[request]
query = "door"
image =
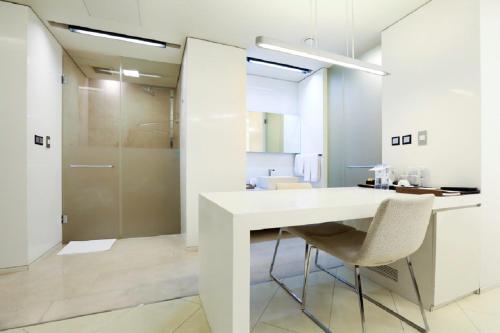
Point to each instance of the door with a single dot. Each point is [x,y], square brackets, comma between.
[91,110]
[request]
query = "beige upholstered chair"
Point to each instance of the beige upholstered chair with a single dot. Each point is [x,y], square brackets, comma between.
[323,229]
[396,232]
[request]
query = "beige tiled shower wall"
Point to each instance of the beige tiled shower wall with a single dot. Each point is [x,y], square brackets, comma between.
[126,125]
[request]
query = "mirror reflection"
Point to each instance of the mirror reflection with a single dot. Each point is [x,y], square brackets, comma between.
[273,133]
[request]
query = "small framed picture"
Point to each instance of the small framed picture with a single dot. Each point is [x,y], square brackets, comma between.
[407,139]
[395,141]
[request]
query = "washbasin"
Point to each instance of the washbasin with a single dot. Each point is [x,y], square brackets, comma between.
[269,182]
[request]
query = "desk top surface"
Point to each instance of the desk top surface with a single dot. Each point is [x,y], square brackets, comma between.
[352,198]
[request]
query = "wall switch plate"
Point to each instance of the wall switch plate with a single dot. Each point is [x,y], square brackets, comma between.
[395,141]
[422,138]
[38,140]
[47,141]
[406,139]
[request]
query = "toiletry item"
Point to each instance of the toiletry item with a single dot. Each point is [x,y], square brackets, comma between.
[382,176]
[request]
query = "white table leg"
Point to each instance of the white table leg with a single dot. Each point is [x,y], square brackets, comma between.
[224,269]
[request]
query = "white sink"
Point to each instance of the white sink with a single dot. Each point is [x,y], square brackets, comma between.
[269,182]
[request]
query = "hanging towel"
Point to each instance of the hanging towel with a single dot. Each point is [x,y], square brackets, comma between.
[299,165]
[315,168]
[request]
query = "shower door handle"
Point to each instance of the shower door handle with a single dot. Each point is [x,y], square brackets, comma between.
[96,166]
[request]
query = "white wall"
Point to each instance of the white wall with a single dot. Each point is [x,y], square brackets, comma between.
[313,117]
[213,114]
[30,199]
[44,107]
[490,140]
[272,95]
[433,58]
[13,227]
[354,122]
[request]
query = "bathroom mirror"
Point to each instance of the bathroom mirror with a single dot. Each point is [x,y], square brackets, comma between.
[273,132]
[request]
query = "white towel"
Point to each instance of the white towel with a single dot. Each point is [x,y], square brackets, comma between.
[299,165]
[315,167]
[309,166]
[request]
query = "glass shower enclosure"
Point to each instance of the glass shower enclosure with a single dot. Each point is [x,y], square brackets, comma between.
[120,149]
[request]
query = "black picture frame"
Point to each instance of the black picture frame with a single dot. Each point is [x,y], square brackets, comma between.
[395,141]
[407,139]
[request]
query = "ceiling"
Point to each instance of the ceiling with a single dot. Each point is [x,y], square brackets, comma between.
[234,22]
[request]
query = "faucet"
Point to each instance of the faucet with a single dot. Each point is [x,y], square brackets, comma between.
[270,172]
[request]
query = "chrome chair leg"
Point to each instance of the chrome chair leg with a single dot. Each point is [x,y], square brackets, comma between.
[307,267]
[375,302]
[419,298]
[307,270]
[275,279]
[357,279]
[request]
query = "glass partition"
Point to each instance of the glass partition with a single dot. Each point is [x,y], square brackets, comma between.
[120,150]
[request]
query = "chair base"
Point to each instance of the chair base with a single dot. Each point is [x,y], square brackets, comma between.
[280,283]
[373,301]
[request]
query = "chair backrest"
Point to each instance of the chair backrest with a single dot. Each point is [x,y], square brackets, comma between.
[293,186]
[397,230]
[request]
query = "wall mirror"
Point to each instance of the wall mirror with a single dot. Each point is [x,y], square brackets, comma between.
[273,132]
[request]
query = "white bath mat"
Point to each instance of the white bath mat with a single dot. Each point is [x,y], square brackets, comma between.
[79,247]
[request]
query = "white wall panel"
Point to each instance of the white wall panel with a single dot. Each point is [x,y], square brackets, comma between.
[490,141]
[213,118]
[44,111]
[30,199]
[13,210]
[433,58]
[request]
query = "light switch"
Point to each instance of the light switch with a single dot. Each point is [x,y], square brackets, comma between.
[422,138]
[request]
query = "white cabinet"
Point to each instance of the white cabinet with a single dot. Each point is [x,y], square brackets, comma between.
[447,266]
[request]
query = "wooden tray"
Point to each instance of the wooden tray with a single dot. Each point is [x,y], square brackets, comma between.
[417,190]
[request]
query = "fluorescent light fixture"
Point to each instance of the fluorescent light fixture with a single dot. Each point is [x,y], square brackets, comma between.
[319,55]
[156,76]
[131,72]
[278,65]
[118,36]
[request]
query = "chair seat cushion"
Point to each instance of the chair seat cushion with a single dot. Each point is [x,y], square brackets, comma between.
[345,246]
[322,229]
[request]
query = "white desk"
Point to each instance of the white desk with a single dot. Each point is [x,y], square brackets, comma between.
[226,220]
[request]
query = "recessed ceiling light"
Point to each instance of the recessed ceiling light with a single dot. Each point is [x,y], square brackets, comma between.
[278,65]
[118,36]
[131,72]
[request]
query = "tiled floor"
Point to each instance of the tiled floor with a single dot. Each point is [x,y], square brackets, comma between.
[273,311]
[135,271]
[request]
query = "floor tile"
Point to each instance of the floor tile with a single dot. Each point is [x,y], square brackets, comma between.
[346,316]
[162,317]
[266,328]
[197,323]
[484,322]
[487,302]
[285,313]
[449,318]
[84,324]
[261,295]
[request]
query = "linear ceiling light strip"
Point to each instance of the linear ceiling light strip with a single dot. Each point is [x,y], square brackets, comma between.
[319,55]
[119,36]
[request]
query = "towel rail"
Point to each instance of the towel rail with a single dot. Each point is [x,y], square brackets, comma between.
[359,166]
[104,166]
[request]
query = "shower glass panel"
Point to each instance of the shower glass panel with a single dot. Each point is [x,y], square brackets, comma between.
[150,193]
[120,151]
[91,123]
